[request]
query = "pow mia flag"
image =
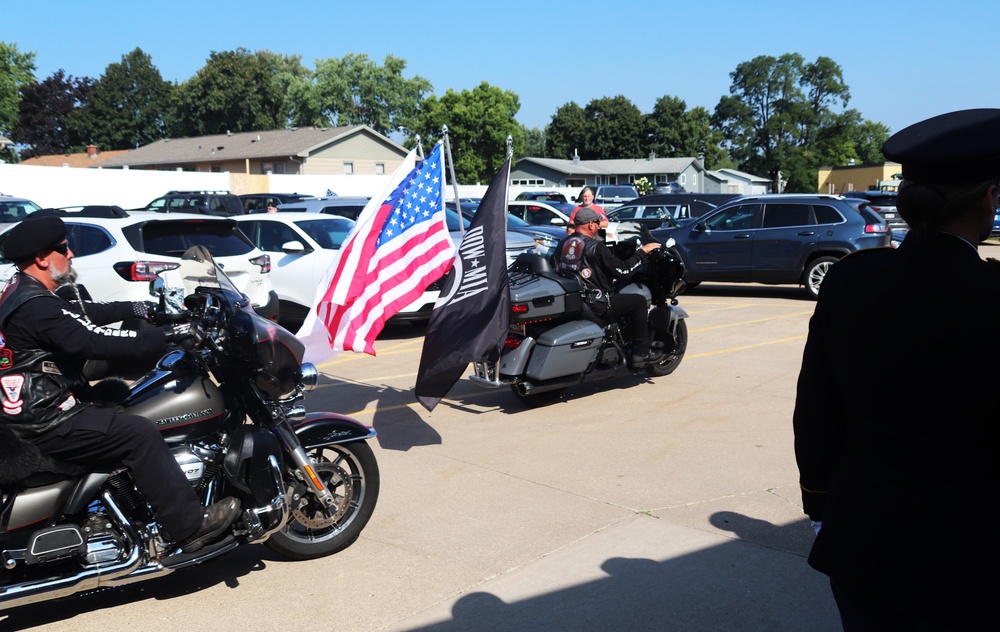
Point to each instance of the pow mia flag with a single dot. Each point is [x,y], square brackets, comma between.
[471,317]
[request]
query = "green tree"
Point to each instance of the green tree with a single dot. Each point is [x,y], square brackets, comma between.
[479,121]
[354,90]
[673,131]
[44,114]
[614,129]
[534,142]
[564,135]
[126,106]
[301,101]
[17,69]
[234,91]
[779,114]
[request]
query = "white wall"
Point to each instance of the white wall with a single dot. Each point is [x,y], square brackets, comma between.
[66,186]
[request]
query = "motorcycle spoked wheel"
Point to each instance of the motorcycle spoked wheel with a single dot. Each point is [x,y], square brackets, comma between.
[670,360]
[351,474]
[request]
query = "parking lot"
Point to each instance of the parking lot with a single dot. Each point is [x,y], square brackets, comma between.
[667,504]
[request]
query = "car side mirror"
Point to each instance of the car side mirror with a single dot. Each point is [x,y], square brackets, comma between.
[294,248]
[701,227]
[558,221]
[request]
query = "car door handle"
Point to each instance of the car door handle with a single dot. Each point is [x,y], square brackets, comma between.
[742,236]
[807,233]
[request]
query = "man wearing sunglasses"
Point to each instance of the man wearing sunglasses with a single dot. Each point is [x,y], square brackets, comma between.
[599,269]
[44,342]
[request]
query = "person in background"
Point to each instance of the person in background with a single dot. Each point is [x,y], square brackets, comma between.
[586,199]
[899,487]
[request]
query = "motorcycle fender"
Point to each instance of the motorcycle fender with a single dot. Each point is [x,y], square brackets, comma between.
[514,361]
[664,316]
[321,429]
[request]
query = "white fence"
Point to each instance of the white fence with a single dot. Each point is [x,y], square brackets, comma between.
[66,186]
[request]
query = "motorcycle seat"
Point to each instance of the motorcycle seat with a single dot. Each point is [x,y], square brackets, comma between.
[21,462]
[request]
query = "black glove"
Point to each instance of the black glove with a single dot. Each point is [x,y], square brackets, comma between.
[187,335]
[145,310]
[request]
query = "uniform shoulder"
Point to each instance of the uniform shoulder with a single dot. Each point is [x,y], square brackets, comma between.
[868,252]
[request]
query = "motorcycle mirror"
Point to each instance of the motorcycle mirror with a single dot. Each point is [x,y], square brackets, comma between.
[157,286]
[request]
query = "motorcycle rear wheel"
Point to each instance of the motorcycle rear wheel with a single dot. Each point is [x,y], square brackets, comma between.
[670,360]
[350,472]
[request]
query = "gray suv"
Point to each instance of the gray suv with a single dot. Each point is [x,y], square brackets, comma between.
[779,239]
[349,207]
[218,203]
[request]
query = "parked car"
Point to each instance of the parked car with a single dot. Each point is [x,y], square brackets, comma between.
[610,196]
[668,187]
[883,203]
[517,242]
[546,238]
[258,202]
[649,215]
[218,203]
[116,256]
[349,207]
[685,206]
[14,209]
[779,239]
[554,199]
[538,213]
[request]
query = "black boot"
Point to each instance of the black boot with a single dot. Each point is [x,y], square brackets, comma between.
[218,517]
[650,357]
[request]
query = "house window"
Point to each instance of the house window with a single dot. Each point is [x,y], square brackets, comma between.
[683,178]
[570,182]
[380,168]
[528,183]
[272,167]
[216,169]
[694,179]
[660,179]
[348,168]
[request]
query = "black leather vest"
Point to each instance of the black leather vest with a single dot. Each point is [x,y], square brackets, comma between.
[36,395]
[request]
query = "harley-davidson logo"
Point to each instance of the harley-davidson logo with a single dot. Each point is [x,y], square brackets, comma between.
[184,417]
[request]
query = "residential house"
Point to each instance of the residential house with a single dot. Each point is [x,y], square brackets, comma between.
[553,172]
[735,181]
[82,160]
[349,150]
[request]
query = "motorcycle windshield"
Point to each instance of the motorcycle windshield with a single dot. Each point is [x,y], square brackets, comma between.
[197,268]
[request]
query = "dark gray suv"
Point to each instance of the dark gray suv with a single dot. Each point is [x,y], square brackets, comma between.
[779,239]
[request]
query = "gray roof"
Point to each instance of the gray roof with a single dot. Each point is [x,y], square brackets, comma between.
[300,142]
[5,141]
[741,174]
[625,166]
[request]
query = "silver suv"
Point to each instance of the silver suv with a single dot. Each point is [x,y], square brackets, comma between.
[349,207]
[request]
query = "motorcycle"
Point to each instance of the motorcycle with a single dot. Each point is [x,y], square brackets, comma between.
[555,340]
[230,410]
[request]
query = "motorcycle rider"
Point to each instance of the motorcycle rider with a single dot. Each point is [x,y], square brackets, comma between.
[592,261]
[44,342]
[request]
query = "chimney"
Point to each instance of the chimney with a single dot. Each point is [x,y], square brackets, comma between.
[576,158]
[652,156]
[91,150]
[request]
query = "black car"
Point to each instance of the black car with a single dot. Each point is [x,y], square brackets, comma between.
[219,203]
[258,202]
[883,203]
[778,239]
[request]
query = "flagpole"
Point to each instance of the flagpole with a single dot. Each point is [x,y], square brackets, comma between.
[454,181]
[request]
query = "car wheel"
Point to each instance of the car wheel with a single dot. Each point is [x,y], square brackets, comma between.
[816,272]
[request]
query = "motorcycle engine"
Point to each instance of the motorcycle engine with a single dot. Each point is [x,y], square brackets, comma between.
[196,461]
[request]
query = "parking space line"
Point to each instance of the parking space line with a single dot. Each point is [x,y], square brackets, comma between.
[749,322]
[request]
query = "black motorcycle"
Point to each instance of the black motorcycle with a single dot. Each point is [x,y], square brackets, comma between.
[231,412]
[555,339]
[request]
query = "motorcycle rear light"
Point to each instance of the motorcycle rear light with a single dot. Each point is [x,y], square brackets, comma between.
[142,270]
[519,308]
[877,228]
[512,342]
[264,261]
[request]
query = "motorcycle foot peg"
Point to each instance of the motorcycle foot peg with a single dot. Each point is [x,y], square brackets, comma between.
[254,527]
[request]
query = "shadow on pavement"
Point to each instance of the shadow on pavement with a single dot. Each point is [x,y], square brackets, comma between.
[739,585]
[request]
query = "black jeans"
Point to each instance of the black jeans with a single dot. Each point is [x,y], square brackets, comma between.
[101,437]
[634,307]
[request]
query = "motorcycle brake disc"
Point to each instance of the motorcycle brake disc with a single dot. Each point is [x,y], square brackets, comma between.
[310,514]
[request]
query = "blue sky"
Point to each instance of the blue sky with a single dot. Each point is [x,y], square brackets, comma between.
[903,61]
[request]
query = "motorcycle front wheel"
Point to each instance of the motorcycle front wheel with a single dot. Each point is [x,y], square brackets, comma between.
[351,474]
[670,360]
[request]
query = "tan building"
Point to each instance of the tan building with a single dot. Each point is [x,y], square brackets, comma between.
[867,177]
[351,150]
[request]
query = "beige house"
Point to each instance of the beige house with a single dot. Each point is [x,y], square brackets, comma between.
[355,149]
[867,177]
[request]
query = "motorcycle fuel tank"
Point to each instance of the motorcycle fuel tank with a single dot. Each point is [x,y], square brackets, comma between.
[183,404]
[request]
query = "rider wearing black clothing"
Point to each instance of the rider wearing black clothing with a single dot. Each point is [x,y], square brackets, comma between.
[593,262]
[44,342]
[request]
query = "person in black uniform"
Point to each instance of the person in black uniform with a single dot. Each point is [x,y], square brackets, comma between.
[895,417]
[44,342]
[594,263]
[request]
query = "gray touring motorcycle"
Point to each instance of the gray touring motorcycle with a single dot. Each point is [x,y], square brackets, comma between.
[231,413]
[556,341]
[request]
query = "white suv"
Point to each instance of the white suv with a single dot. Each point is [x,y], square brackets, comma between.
[116,254]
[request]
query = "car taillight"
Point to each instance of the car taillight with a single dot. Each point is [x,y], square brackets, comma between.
[877,228]
[264,261]
[143,270]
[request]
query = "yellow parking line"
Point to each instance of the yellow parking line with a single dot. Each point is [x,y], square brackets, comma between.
[750,322]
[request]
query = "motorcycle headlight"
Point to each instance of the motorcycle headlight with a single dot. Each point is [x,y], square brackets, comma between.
[308,376]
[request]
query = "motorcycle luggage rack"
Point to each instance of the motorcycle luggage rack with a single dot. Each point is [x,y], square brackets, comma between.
[488,375]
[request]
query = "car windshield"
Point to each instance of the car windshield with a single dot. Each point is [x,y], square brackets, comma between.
[16,211]
[173,238]
[452,219]
[328,232]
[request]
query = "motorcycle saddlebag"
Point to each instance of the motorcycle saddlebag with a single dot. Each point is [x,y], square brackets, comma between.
[548,296]
[566,349]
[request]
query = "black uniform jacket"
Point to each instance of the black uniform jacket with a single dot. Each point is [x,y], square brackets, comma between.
[44,342]
[896,419]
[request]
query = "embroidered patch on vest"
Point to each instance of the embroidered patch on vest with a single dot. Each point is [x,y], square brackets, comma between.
[12,385]
[6,359]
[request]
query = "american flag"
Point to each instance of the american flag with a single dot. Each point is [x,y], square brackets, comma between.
[396,249]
